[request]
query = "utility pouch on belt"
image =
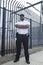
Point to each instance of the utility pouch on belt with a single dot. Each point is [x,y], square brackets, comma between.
[17,34]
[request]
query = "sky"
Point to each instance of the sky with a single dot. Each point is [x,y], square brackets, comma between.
[32,2]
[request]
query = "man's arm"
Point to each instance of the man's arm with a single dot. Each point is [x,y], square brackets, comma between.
[22,26]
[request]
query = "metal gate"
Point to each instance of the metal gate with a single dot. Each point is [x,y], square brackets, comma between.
[9,14]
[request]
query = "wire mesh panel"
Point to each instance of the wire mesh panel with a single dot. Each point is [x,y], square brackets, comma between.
[35,33]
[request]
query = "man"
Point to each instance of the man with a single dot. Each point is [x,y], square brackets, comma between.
[22,37]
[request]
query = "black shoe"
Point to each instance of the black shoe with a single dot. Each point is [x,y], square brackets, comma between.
[16,60]
[27,62]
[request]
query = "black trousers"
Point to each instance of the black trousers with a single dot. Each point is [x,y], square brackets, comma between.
[22,39]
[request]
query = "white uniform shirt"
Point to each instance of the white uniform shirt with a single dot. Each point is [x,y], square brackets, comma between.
[22,31]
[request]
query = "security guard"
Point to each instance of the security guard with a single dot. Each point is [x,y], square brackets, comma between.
[22,37]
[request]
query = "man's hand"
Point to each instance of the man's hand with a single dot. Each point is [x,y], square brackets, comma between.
[22,26]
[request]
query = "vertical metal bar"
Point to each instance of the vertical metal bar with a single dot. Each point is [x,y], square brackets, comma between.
[12,26]
[7,27]
[3,3]
[12,30]
[30,33]
[9,30]
[3,35]
[40,30]
[0,9]
[3,32]
[12,46]
[6,22]
[14,21]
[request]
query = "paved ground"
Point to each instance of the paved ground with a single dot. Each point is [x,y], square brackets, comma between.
[9,57]
[35,59]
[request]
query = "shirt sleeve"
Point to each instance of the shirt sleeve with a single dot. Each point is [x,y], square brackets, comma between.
[16,23]
[27,23]
[19,23]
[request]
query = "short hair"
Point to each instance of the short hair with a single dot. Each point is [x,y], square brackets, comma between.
[21,14]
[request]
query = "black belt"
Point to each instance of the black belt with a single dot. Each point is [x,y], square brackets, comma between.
[23,34]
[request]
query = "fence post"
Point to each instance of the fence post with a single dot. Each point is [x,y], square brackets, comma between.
[30,33]
[3,32]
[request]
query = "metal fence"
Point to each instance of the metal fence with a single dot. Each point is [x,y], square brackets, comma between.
[35,33]
[8,17]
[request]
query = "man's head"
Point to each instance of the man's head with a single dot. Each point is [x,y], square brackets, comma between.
[22,17]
